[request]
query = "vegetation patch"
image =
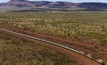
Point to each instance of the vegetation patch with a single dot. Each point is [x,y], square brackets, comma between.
[82,25]
[15,51]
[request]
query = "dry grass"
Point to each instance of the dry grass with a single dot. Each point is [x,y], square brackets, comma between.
[15,51]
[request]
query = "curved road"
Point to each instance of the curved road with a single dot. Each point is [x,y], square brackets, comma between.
[72,53]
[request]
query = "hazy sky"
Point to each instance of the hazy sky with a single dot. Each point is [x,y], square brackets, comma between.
[105,1]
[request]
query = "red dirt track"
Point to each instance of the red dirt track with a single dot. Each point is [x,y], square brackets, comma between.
[79,58]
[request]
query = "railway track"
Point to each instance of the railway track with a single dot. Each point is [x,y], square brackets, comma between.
[49,42]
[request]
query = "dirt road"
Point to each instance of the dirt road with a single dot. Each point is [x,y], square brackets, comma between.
[79,58]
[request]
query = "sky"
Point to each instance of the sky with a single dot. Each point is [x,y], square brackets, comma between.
[104,1]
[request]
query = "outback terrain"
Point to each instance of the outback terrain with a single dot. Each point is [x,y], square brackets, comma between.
[16,51]
[81,30]
[53,33]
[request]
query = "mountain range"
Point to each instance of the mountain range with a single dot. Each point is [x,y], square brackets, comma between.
[48,4]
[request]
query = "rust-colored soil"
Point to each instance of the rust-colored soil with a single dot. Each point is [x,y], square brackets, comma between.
[82,60]
[71,43]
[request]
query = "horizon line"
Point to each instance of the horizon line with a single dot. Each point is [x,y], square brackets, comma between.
[61,1]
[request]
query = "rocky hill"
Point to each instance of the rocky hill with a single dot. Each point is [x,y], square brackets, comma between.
[47,4]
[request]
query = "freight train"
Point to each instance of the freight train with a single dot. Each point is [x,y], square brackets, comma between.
[60,45]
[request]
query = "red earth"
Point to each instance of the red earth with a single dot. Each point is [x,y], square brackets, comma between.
[87,47]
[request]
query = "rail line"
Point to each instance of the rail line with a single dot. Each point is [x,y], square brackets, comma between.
[49,42]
